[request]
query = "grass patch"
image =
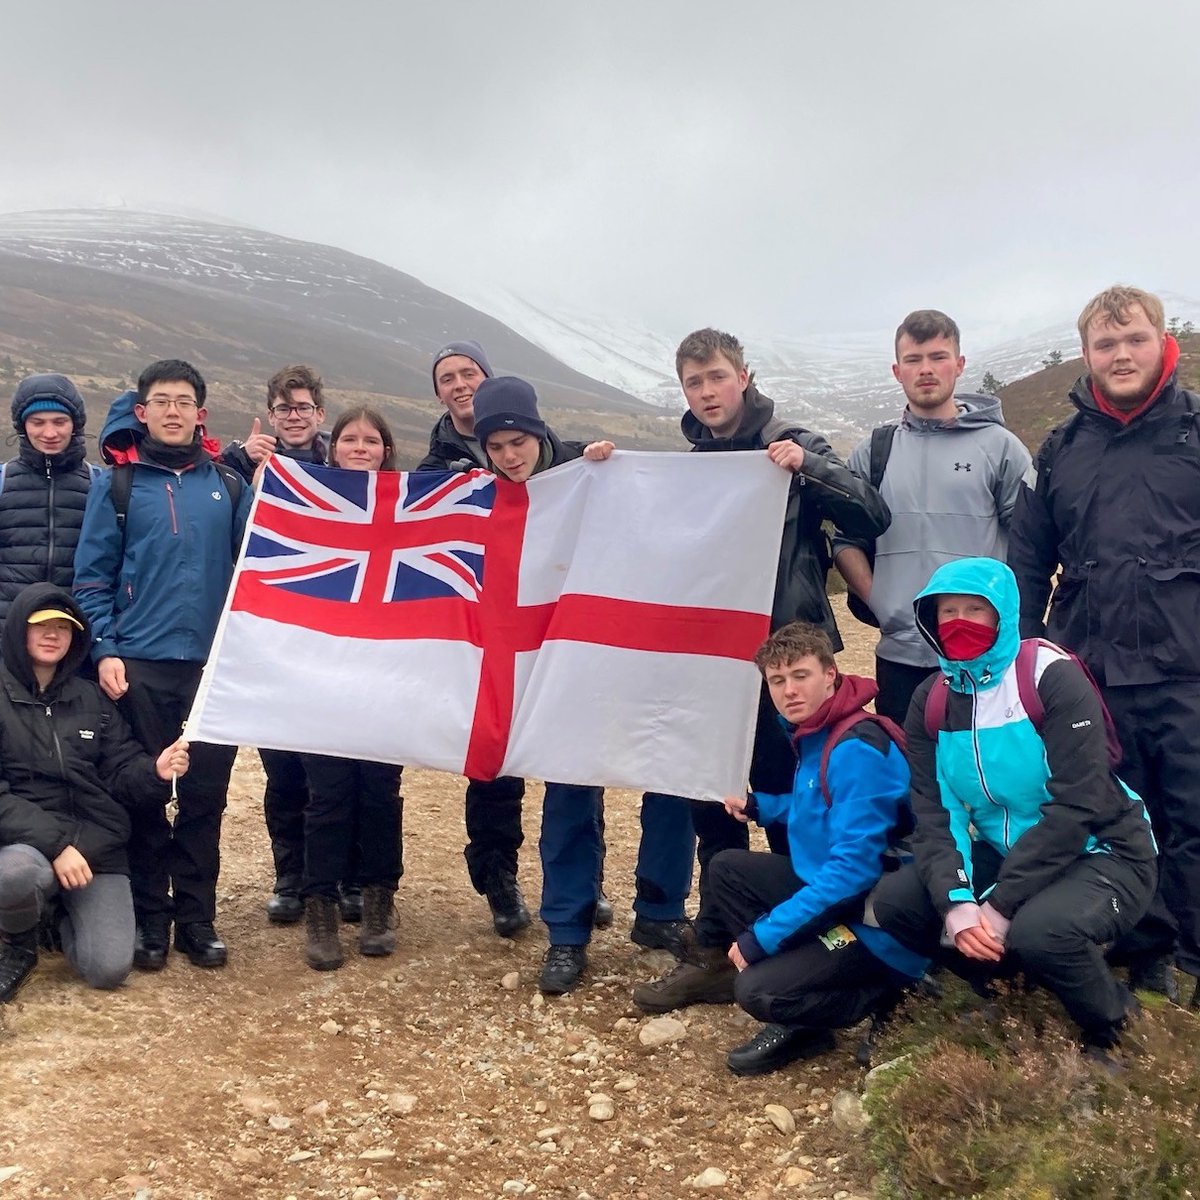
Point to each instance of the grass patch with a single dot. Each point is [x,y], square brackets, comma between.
[996,1102]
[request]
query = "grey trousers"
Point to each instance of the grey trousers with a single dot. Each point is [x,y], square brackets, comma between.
[98,928]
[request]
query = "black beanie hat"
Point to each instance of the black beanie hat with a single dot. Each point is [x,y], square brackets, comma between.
[471,350]
[507,403]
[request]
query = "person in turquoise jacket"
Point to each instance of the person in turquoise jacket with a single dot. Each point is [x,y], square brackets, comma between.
[795,949]
[1028,852]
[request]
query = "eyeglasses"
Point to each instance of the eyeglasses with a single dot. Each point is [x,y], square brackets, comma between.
[300,410]
[182,405]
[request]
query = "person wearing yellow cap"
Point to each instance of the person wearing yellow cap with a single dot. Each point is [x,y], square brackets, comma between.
[64,823]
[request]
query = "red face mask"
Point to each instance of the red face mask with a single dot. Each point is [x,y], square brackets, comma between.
[964,640]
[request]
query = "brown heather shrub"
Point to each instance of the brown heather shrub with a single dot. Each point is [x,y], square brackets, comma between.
[997,1103]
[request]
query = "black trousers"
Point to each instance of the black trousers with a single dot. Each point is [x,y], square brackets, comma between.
[494,835]
[897,682]
[1159,724]
[807,984]
[284,801]
[181,861]
[352,805]
[1057,937]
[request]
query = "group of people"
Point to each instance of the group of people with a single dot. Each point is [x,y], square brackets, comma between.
[1002,828]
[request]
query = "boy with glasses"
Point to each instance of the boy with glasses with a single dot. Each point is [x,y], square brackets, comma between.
[295,411]
[152,587]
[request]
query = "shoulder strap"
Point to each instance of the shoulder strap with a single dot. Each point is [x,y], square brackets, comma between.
[1035,710]
[1059,436]
[94,471]
[882,437]
[936,701]
[122,487]
[233,483]
[777,428]
[841,729]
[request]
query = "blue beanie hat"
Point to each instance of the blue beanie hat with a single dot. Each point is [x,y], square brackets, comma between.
[45,404]
[472,350]
[507,403]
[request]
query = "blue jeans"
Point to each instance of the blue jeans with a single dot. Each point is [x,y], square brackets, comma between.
[572,857]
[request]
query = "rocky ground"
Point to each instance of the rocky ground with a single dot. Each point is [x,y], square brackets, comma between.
[438,1072]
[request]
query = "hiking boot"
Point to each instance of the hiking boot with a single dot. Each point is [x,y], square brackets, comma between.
[602,917]
[18,957]
[774,1046]
[378,934]
[285,906]
[1157,976]
[151,943]
[676,937]
[199,941]
[562,969]
[509,913]
[707,982]
[323,950]
[350,902]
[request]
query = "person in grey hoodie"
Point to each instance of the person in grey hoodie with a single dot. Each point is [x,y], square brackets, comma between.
[952,477]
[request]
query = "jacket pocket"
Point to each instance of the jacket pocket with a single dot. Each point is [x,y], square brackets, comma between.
[1169,601]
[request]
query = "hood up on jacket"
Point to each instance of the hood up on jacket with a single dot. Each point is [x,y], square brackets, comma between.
[998,586]
[58,388]
[12,641]
[757,410]
[122,432]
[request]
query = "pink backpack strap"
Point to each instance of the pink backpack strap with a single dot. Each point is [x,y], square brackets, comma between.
[936,700]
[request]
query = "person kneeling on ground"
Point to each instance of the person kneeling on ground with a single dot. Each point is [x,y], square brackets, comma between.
[69,772]
[1029,852]
[794,951]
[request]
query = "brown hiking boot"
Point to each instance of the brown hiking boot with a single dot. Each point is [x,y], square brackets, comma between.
[323,951]
[708,979]
[378,934]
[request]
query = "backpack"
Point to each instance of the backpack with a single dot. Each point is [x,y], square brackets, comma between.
[938,698]
[839,730]
[122,489]
[882,437]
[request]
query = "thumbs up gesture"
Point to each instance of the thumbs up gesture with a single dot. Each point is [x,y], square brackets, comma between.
[259,446]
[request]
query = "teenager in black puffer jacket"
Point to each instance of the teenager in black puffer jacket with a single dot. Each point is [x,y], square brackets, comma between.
[45,487]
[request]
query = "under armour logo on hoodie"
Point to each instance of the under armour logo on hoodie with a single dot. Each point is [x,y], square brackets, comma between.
[962,466]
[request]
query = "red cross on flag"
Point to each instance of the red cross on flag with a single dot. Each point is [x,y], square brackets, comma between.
[596,625]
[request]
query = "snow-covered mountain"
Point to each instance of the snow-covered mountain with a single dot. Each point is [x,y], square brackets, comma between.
[840,384]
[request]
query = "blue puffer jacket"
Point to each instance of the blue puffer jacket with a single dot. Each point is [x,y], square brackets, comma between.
[156,593]
[1040,798]
[43,498]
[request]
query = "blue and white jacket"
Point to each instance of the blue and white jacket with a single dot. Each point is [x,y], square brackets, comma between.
[1039,798]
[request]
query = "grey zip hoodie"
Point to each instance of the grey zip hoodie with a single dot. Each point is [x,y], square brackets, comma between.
[951,487]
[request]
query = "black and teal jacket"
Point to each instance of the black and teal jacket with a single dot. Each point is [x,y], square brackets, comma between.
[1039,798]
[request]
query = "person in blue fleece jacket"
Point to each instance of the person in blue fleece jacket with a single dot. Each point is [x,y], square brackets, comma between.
[796,951]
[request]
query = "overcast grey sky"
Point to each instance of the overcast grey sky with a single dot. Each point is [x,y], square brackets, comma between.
[789,167]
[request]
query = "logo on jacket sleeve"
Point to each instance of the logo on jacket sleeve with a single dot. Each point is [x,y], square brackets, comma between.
[87,734]
[962,466]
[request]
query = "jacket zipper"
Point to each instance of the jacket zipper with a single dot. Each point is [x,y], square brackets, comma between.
[171,506]
[50,525]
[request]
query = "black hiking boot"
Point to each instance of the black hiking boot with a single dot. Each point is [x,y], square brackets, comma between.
[602,917]
[676,937]
[775,1046]
[509,912]
[151,943]
[562,969]
[18,957]
[350,902]
[1157,976]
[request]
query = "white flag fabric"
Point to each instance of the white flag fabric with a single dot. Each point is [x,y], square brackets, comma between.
[595,626]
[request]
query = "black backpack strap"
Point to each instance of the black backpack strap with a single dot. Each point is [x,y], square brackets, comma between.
[122,488]
[1058,437]
[882,437]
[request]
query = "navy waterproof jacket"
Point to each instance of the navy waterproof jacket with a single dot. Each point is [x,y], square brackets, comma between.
[157,591]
